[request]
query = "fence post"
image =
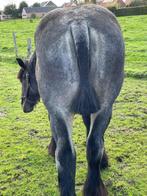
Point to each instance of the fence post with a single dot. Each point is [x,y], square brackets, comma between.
[29,46]
[15,44]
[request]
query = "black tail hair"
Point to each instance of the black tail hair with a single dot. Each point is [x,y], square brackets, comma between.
[86,101]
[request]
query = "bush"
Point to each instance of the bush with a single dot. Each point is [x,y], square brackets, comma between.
[112,9]
[33,16]
[129,11]
[31,20]
[138,3]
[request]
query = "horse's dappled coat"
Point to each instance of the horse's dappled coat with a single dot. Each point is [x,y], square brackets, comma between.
[79,69]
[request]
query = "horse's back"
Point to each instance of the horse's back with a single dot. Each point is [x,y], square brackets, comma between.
[58,71]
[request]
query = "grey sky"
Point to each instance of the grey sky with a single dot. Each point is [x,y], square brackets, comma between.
[30,2]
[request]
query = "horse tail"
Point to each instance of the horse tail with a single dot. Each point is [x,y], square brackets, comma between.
[85,101]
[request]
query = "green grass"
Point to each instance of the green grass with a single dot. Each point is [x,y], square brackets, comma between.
[26,168]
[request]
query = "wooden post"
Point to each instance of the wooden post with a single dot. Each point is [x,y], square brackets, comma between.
[29,47]
[15,44]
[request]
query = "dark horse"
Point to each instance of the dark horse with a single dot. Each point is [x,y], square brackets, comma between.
[77,68]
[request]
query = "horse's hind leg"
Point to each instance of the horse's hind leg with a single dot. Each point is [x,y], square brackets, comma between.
[104,161]
[86,120]
[95,148]
[52,147]
[65,154]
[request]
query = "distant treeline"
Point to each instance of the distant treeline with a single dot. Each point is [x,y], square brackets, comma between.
[12,11]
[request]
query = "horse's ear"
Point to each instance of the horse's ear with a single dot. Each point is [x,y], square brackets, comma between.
[21,63]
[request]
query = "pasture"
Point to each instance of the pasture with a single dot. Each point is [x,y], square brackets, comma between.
[26,168]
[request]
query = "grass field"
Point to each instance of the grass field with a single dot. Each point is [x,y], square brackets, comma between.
[26,168]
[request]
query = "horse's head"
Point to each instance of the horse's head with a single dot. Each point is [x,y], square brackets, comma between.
[30,95]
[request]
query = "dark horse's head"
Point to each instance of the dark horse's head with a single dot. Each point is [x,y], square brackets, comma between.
[26,75]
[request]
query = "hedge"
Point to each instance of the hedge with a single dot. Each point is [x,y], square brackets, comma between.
[129,11]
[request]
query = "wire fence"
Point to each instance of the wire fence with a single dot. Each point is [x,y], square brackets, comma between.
[29,45]
[15,44]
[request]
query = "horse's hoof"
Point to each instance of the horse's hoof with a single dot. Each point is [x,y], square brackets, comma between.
[104,162]
[99,190]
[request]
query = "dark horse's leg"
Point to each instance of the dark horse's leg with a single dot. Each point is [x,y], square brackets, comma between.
[95,148]
[86,120]
[65,154]
[52,147]
[104,161]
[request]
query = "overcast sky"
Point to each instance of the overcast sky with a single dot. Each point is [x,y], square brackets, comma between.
[30,2]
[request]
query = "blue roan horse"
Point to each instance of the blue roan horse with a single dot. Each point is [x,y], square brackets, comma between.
[77,67]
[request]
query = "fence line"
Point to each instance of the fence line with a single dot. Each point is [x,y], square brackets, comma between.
[29,47]
[15,44]
[19,43]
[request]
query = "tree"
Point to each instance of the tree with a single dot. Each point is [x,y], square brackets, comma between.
[21,6]
[33,16]
[11,10]
[74,1]
[36,5]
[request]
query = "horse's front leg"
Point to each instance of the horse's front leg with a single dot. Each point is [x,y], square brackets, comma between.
[95,149]
[65,156]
